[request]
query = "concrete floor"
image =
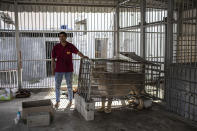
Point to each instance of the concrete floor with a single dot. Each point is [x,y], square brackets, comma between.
[155,119]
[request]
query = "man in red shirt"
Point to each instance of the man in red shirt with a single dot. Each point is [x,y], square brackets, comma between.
[62,65]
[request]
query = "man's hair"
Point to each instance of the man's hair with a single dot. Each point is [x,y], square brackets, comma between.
[64,33]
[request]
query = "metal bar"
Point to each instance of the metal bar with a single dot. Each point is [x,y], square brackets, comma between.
[157,23]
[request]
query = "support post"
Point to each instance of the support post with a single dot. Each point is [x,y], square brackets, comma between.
[116,28]
[169,46]
[142,34]
[142,28]
[169,52]
[18,47]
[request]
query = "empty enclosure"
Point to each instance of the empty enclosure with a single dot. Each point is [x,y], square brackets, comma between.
[162,32]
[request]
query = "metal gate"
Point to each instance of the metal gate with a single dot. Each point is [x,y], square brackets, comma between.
[181,59]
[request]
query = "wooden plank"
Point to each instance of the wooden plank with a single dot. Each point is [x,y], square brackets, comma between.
[38,119]
[137,58]
[37,106]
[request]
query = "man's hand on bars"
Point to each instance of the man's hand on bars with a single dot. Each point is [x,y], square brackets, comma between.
[82,56]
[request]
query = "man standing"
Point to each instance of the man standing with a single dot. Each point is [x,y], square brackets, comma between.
[62,65]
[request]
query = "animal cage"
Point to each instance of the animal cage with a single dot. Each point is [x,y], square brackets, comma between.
[114,78]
